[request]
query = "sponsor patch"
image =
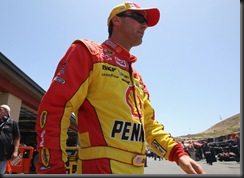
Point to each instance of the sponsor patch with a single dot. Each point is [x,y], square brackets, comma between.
[42,138]
[108,52]
[62,71]
[120,62]
[139,160]
[43,119]
[159,147]
[112,69]
[44,168]
[45,157]
[59,79]
[110,43]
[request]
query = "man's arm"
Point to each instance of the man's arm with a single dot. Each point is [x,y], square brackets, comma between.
[16,147]
[65,95]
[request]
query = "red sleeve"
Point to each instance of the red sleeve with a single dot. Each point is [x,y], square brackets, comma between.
[176,153]
[53,117]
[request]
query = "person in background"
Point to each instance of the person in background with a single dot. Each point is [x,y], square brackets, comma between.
[207,153]
[237,142]
[97,82]
[9,135]
[198,153]
[145,162]
[185,148]
[192,150]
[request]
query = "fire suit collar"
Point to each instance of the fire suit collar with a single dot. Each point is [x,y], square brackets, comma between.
[119,50]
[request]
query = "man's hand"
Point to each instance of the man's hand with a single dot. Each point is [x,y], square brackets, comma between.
[14,155]
[189,165]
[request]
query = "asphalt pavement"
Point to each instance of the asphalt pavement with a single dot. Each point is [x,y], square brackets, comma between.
[224,168]
[164,168]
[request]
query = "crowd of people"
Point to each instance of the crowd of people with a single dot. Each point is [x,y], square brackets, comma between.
[208,151]
[211,151]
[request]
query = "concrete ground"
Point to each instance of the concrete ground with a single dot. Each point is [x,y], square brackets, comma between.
[224,168]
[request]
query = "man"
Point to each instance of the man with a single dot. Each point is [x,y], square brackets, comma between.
[111,103]
[192,150]
[237,142]
[207,153]
[9,135]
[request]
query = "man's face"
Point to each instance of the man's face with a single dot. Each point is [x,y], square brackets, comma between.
[3,112]
[132,29]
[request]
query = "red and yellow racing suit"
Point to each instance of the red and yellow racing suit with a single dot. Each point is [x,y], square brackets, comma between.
[111,104]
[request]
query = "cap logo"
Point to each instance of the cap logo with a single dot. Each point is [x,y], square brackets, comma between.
[131,5]
[121,8]
[134,5]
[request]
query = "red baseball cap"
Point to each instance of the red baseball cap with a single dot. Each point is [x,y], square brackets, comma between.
[152,14]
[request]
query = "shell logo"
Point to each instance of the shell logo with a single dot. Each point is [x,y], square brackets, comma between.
[134,102]
[43,119]
[45,156]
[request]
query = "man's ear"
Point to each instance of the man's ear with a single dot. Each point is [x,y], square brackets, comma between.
[116,20]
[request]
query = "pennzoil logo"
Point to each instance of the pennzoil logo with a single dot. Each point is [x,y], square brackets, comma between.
[45,156]
[43,119]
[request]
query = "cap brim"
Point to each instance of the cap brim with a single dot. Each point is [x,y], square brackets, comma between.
[153,15]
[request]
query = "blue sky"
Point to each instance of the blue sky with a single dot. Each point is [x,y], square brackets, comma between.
[190,61]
